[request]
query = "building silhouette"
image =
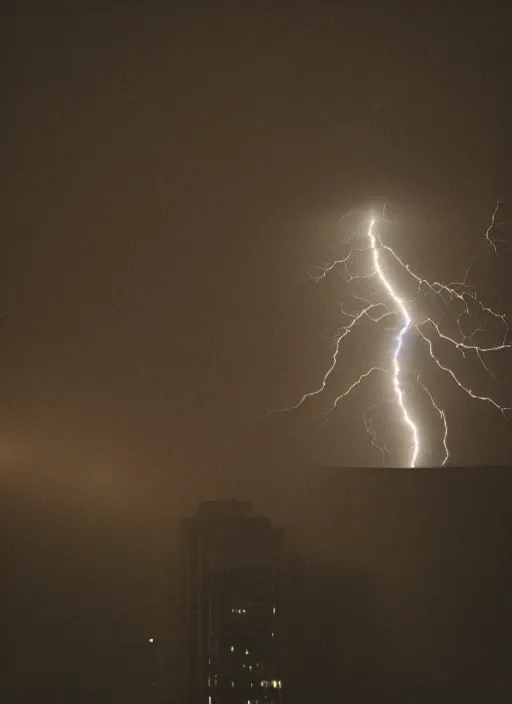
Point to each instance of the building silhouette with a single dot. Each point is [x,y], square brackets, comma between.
[232,606]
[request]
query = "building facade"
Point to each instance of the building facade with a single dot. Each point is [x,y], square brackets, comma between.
[233,606]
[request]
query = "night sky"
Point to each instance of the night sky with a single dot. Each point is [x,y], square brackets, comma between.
[173,173]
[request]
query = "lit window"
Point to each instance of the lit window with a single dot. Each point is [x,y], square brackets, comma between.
[246,652]
[274,610]
[232,648]
[271,684]
[209,700]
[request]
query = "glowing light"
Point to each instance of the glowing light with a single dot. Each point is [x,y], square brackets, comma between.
[425,330]
[271,684]
[406,325]
[151,640]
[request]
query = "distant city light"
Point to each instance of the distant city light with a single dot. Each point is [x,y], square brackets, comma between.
[151,640]
[271,684]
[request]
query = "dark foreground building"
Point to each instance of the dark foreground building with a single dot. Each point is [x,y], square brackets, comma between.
[403,590]
[233,608]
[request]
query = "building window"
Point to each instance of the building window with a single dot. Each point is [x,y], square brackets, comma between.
[271,684]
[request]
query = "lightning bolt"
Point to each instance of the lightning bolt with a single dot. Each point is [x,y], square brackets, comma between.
[404,329]
[427,330]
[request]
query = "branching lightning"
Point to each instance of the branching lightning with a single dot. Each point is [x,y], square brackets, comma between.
[406,325]
[409,328]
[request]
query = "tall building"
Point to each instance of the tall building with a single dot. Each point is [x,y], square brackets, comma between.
[233,605]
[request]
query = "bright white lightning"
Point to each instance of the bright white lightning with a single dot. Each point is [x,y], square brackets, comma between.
[406,325]
[425,328]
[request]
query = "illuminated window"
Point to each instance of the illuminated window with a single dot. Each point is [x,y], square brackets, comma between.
[274,610]
[271,684]
[232,648]
[246,652]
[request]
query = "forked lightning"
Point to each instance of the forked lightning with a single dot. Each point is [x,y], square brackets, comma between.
[386,301]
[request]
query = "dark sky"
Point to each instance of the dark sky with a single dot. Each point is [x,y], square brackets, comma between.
[173,172]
